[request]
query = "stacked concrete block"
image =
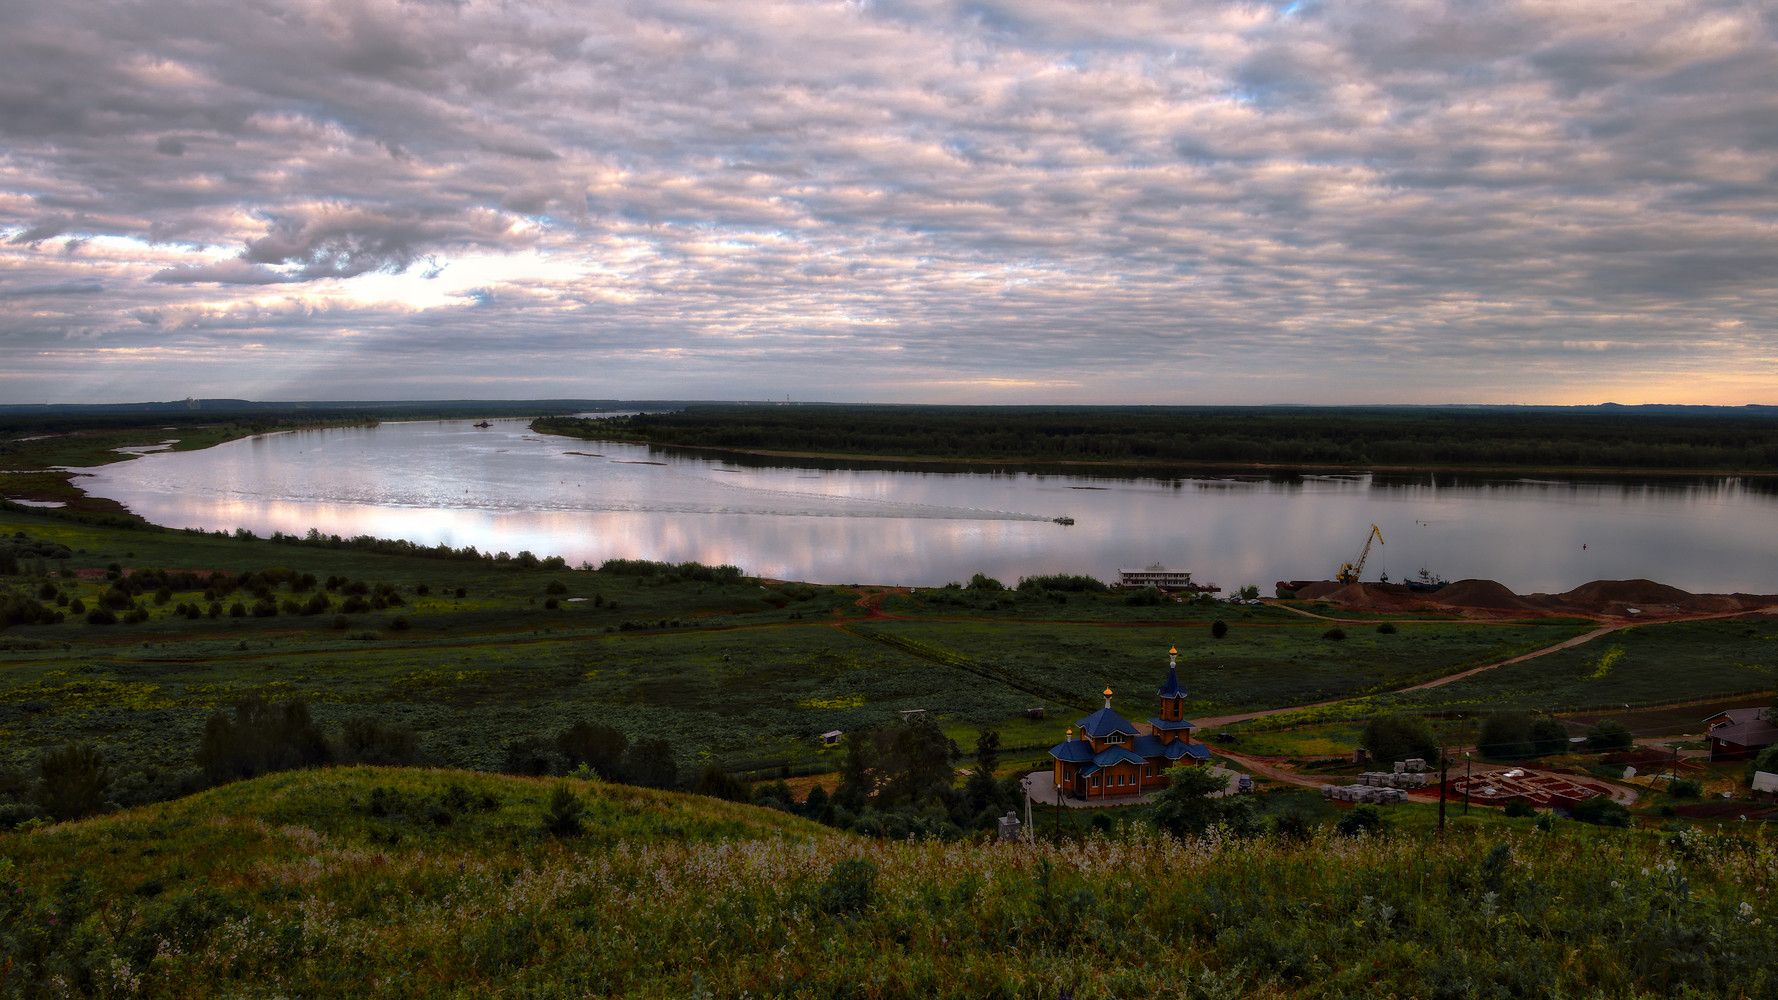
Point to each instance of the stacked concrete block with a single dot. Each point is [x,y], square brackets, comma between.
[1392,779]
[1372,794]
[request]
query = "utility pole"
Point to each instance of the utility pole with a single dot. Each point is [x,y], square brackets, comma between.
[1466,782]
[1444,769]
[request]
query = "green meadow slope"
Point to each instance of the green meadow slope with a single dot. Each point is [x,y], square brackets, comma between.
[472,654]
[406,883]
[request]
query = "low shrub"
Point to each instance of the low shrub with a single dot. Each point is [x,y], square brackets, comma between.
[850,887]
[1361,820]
[1601,811]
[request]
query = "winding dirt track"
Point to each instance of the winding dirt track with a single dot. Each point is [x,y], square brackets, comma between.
[1534,654]
[1223,720]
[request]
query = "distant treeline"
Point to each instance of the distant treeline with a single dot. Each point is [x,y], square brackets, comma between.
[1605,437]
[67,415]
[261,418]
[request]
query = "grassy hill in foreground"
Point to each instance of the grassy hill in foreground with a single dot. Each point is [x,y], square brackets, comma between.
[407,883]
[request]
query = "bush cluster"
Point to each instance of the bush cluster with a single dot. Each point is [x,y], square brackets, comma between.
[664,573]
[603,750]
[1512,735]
[262,738]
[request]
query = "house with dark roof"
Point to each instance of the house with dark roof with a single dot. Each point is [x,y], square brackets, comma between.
[1115,757]
[1740,733]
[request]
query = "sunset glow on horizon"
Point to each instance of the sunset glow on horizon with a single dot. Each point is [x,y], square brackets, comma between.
[890,200]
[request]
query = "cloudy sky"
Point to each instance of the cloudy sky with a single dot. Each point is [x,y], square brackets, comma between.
[1558,201]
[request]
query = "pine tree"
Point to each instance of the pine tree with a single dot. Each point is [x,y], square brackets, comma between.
[562,818]
[72,781]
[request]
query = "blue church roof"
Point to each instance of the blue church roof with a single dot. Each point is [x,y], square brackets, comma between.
[1142,749]
[1104,722]
[1072,751]
[1172,724]
[1117,755]
[1151,747]
[1171,688]
[1148,746]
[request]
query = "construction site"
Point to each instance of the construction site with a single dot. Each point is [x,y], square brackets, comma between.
[1633,600]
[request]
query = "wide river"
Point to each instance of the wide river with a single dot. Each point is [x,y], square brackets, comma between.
[504,488]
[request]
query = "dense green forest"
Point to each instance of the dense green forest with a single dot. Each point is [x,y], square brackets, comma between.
[1558,438]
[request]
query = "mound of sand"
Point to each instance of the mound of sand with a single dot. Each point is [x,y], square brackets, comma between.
[1371,595]
[1489,599]
[1602,592]
[1481,594]
[1712,603]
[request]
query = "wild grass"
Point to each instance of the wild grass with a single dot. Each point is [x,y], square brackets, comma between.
[292,885]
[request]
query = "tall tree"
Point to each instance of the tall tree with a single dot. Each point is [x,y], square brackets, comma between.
[856,783]
[598,747]
[915,759]
[72,781]
[1399,736]
[1195,800]
[981,790]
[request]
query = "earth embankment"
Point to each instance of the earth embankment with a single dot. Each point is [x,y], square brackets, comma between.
[1482,599]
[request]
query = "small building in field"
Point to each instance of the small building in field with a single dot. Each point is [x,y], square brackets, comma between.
[832,739]
[1115,757]
[1740,733]
[1157,576]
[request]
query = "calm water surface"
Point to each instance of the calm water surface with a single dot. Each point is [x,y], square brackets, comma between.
[505,488]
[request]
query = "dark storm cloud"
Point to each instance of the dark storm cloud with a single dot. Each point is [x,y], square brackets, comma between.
[944,199]
[35,233]
[343,241]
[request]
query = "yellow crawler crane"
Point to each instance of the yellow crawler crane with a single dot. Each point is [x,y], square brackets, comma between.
[1349,571]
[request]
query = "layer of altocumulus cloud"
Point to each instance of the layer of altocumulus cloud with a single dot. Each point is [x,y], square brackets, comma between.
[994,200]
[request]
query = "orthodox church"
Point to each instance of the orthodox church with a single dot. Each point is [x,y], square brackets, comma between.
[1113,756]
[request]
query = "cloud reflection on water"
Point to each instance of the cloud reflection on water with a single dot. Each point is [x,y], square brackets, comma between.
[503,489]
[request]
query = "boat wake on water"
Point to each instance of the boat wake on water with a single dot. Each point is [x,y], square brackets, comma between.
[751,499]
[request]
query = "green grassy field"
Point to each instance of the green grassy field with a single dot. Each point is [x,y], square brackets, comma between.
[406,882]
[1654,664]
[1282,661]
[743,673]
[402,883]
[1647,664]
